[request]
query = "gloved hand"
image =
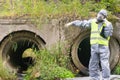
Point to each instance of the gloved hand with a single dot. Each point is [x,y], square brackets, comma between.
[106,32]
[68,24]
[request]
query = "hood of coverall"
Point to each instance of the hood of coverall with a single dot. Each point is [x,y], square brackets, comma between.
[101,15]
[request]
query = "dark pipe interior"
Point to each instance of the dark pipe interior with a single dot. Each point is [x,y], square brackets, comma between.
[84,52]
[15,53]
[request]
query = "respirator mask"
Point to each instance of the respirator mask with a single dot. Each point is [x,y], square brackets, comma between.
[100,17]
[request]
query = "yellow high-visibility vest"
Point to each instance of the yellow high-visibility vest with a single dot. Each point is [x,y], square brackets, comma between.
[95,37]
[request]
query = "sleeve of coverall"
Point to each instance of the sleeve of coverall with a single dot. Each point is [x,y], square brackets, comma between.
[82,24]
[108,30]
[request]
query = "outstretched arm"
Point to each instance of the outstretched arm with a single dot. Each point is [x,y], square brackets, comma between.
[78,23]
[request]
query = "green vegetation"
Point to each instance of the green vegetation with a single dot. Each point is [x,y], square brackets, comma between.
[117,70]
[49,9]
[112,5]
[4,73]
[41,10]
[50,65]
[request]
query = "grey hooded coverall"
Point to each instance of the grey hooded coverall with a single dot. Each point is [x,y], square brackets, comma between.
[99,53]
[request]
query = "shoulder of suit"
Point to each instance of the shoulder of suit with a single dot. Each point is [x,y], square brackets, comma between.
[93,19]
[107,22]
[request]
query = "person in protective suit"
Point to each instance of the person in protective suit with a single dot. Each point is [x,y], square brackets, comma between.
[101,30]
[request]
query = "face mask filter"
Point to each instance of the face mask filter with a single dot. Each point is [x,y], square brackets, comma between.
[100,18]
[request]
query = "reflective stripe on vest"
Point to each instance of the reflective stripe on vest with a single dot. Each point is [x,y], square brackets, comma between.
[95,37]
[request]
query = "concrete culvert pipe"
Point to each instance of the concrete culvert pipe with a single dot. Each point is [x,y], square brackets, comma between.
[13,46]
[80,52]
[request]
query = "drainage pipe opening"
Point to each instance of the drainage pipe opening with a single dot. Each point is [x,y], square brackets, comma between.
[13,48]
[84,52]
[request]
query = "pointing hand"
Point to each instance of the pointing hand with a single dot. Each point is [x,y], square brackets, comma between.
[68,24]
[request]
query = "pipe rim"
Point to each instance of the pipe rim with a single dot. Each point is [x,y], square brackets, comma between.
[17,36]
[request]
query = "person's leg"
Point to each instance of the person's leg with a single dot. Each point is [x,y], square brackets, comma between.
[94,71]
[104,58]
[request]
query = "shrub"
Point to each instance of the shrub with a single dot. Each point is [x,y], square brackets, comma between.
[117,70]
[49,66]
